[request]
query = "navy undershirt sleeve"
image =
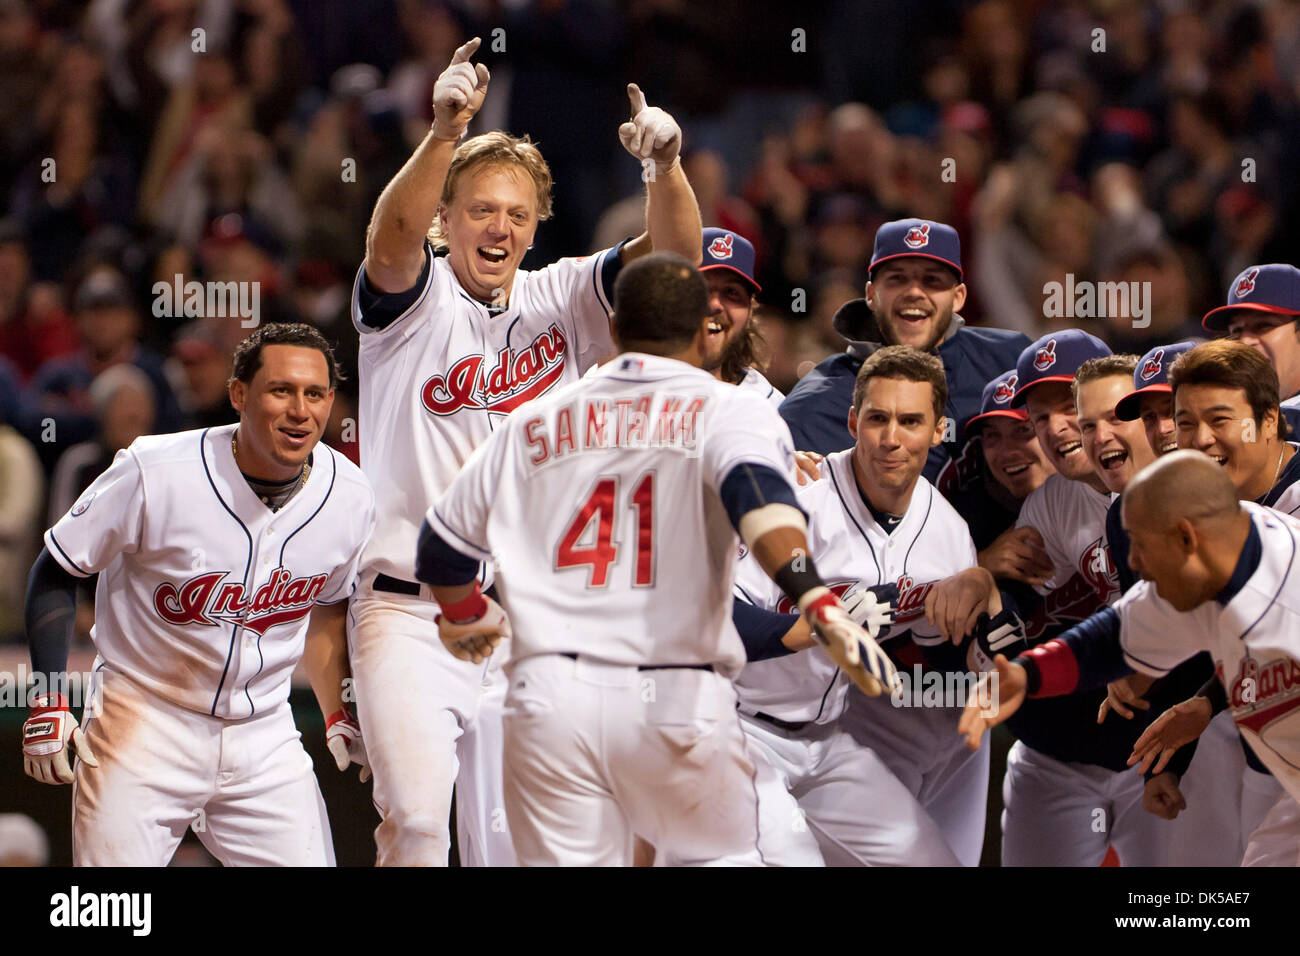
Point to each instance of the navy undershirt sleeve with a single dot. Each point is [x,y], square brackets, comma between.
[748,487]
[1096,647]
[378,309]
[439,564]
[761,631]
[49,613]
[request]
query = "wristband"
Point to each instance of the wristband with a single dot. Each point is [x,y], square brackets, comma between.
[337,717]
[46,703]
[796,582]
[468,610]
[460,134]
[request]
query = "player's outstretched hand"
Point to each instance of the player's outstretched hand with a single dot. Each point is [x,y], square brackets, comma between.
[49,735]
[651,133]
[475,640]
[1162,797]
[1019,554]
[807,466]
[999,695]
[1177,726]
[343,738]
[849,645]
[955,604]
[1125,693]
[459,92]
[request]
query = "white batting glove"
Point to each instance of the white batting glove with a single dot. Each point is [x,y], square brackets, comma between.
[458,93]
[343,738]
[50,733]
[652,133]
[475,640]
[871,610]
[852,649]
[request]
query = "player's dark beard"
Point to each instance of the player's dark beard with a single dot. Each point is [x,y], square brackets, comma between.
[742,353]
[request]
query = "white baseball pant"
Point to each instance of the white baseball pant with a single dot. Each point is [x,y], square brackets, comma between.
[247,787]
[828,798]
[1066,814]
[1276,841]
[429,721]
[596,753]
[924,752]
[1226,800]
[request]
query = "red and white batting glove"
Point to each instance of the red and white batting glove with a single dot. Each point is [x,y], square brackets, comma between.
[849,645]
[472,629]
[49,734]
[343,737]
[651,133]
[458,93]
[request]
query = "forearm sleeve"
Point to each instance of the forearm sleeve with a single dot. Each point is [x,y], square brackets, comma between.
[50,614]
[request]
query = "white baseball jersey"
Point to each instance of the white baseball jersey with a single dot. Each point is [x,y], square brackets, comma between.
[852,551]
[1254,640]
[756,380]
[1285,493]
[204,592]
[1071,517]
[439,378]
[629,552]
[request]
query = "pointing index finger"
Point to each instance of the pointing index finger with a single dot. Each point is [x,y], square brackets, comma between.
[637,97]
[465,51]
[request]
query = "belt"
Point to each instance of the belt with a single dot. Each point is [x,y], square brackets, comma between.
[392,585]
[653,667]
[790,726]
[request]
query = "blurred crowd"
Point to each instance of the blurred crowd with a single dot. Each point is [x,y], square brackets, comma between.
[247,140]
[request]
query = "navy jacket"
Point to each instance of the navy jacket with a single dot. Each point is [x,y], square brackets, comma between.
[817,409]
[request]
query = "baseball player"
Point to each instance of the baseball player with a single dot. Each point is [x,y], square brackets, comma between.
[892,787]
[450,345]
[914,291]
[734,338]
[1015,465]
[1263,311]
[1152,403]
[224,556]
[1214,572]
[1226,393]
[1064,765]
[610,507]
[1226,405]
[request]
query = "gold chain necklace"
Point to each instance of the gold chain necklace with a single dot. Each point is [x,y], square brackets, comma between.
[302,475]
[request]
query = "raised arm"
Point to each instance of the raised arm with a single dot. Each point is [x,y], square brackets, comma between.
[672,216]
[409,203]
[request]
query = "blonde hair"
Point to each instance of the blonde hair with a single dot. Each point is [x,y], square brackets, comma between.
[500,150]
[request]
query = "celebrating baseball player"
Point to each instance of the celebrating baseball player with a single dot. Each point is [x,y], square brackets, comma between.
[1226,393]
[224,556]
[1015,466]
[914,290]
[1064,766]
[1215,572]
[450,345]
[734,340]
[609,508]
[897,790]
[1263,311]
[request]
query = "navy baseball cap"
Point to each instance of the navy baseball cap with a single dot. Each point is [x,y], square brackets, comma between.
[917,237]
[1055,358]
[1151,375]
[1271,288]
[996,400]
[724,249]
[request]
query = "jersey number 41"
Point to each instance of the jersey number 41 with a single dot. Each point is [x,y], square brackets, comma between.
[601,509]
